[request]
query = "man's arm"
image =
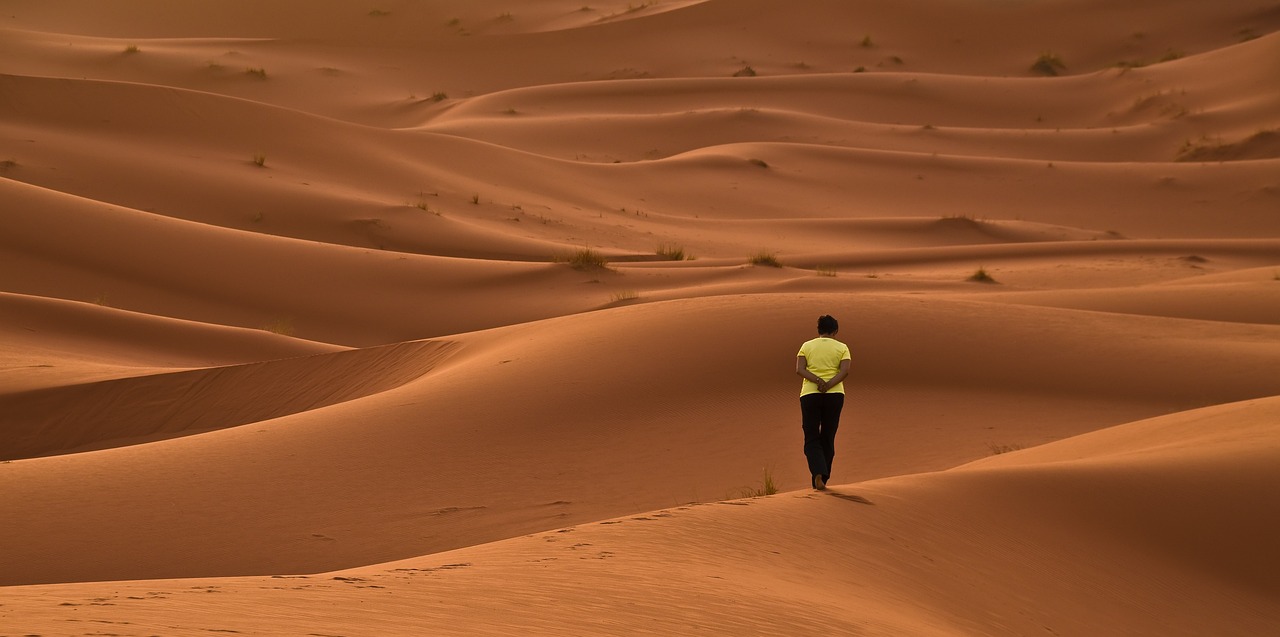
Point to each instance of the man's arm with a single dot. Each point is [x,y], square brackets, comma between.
[842,374]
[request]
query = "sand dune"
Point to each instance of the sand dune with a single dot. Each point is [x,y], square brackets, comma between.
[1065,538]
[293,339]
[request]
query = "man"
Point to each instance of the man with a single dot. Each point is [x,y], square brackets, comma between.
[823,363]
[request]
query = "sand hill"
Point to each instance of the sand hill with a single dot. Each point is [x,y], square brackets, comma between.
[479,317]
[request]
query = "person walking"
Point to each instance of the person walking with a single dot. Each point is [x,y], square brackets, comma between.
[823,363]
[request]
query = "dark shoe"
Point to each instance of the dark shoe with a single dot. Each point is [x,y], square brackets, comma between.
[819,483]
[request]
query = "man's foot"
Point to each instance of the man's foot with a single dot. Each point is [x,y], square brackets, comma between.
[819,483]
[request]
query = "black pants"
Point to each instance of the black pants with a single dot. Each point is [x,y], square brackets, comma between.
[820,417]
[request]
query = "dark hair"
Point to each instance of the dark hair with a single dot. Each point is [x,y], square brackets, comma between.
[827,324]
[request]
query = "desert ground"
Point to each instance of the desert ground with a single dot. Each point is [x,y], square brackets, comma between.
[479,317]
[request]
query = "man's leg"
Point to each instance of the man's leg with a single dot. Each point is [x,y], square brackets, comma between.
[811,408]
[832,405]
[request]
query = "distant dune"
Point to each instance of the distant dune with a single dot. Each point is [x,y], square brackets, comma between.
[478,317]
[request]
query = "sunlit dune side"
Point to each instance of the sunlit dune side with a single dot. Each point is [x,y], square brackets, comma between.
[480,317]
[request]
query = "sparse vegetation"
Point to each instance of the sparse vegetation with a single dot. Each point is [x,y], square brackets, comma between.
[745,71]
[282,326]
[1048,64]
[625,295]
[823,270]
[475,200]
[587,259]
[379,13]
[866,42]
[7,165]
[671,252]
[767,487]
[765,258]
[439,96]
[1260,145]
[999,449]
[132,48]
[259,159]
[511,110]
[981,276]
[259,73]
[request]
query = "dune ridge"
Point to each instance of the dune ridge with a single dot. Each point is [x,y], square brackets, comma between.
[478,317]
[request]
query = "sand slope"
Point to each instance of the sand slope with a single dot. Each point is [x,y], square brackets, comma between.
[292,338]
[1065,538]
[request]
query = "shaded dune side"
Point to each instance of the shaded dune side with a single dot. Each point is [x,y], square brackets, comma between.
[1191,488]
[129,410]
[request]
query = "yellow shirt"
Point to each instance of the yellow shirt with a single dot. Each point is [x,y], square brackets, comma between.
[823,354]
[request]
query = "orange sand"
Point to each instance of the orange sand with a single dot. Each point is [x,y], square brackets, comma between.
[289,343]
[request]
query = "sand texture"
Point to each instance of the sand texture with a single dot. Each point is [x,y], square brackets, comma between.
[478,317]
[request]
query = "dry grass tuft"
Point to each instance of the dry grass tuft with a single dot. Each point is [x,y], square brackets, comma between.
[981,276]
[1048,64]
[767,487]
[999,449]
[764,257]
[671,252]
[586,259]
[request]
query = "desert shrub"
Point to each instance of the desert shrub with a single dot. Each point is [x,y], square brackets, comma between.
[671,252]
[999,449]
[765,257]
[282,326]
[767,487]
[1048,64]
[587,259]
[981,276]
